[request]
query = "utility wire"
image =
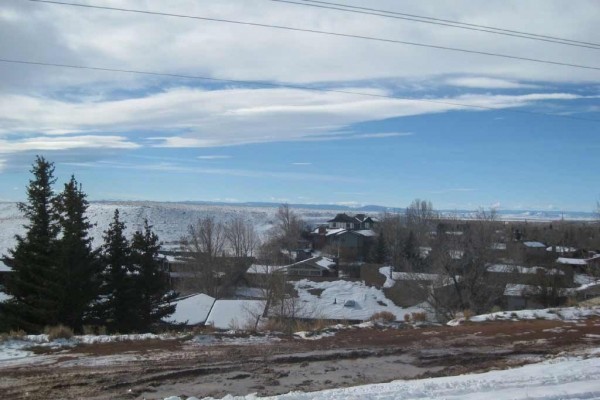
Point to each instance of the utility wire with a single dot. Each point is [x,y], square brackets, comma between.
[320,32]
[435,21]
[287,86]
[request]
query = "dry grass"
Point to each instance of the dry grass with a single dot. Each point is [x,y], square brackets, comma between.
[383,316]
[13,335]
[58,332]
[418,316]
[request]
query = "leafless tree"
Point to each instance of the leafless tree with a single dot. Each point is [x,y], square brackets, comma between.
[204,245]
[421,218]
[242,237]
[288,227]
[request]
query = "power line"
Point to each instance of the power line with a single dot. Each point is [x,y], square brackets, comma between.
[440,22]
[287,86]
[320,32]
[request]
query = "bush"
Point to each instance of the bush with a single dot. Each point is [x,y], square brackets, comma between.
[468,314]
[58,332]
[407,317]
[13,335]
[419,316]
[384,316]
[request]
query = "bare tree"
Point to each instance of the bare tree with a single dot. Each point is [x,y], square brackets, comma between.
[421,218]
[204,246]
[242,237]
[288,227]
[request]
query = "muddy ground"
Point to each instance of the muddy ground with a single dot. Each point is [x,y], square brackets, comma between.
[268,366]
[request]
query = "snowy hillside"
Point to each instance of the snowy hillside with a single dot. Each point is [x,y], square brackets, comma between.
[170,220]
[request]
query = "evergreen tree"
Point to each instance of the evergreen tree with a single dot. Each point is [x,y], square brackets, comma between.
[411,251]
[33,284]
[151,283]
[381,252]
[77,262]
[116,306]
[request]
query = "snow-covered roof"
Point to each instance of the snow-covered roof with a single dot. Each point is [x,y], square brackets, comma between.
[571,261]
[512,269]
[4,267]
[561,249]
[534,245]
[335,231]
[498,246]
[232,314]
[456,254]
[263,269]
[344,300]
[365,232]
[192,310]
[325,262]
[517,289]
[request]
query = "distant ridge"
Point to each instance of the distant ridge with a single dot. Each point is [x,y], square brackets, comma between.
[515,215]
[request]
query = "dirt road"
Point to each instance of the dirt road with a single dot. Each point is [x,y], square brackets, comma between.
[210,365]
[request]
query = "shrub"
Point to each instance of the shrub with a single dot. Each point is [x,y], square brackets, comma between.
[384,316]
[419,316]
[58,332]
[496,309]
[13,335]
[468,314]
[407,317]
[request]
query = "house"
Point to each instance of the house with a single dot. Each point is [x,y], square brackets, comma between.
[520,296]
[349,237]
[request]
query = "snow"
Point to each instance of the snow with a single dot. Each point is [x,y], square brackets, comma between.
[561,249]
[4,267]
[560,378]
[507,268]
[582,279]
[263,269]
[325,262]
[365,232]
[330,303]
[534,244]
[192,310]
[570,314]
[4,296]
[231,314]
[571,261]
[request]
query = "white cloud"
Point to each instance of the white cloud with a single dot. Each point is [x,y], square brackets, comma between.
[301,163]
[65,143]
[488,83]
[213,157]
[184,46]
[192,117]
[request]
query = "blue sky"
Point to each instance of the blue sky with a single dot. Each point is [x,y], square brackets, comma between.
[130,137]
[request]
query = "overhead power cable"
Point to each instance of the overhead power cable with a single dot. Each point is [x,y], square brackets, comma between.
[440,22]
[347,35]
[287,86]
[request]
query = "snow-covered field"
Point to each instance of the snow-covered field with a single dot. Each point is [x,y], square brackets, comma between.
[170,220]
[561,378]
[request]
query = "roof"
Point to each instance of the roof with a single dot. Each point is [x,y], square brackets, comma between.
[343,218]
[4,267]
[571,261]
[192,310]
[317,262]
[534,244]
[518,269]
[365,232]
[263,269]
[232,314]
[561,249]
[518,290]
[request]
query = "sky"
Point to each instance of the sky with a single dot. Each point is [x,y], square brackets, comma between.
[150,137]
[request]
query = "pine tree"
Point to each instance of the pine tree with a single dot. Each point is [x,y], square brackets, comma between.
[381,252]
[77,262]
[151,284]
[116,305]
[33,283]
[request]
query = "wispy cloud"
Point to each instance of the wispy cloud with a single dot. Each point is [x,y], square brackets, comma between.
[213,157]
[453,190]
[488,83]
[301,163]
[66,143]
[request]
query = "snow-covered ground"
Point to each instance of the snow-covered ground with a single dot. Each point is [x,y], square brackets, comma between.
[345,300]
[192,310]
[561,378]
[558,314]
